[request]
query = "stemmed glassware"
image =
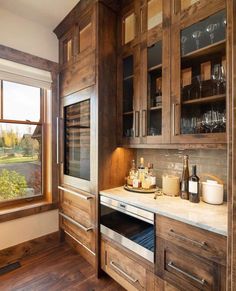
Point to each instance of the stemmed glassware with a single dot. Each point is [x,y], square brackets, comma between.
[219,77]
[211,28]
[209,120]
[183,41]
[196,35]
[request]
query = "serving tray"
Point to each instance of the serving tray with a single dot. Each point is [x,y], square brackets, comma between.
[140,190]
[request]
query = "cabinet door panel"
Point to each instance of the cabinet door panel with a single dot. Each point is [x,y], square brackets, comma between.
[199,87]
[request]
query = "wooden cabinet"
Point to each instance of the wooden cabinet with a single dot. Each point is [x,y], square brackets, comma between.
[126,270]
[179,77]
[199,64]
[188,257]
[88,155]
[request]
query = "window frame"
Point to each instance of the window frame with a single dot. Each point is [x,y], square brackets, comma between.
[44,110]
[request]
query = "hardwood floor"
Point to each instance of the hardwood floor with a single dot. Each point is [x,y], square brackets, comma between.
[58,268]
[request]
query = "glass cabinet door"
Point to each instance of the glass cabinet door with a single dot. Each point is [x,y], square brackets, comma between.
[199,107]
[154,67]
[77,140]
[128,96]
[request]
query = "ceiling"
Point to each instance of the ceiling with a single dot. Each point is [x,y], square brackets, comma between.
[48,13]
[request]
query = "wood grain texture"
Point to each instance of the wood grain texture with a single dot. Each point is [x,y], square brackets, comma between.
[15,253]
[78,75]
[191,269]
[58,268]
[194,240]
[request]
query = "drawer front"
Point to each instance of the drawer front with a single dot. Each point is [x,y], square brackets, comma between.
[80,209]
[204,243]
[85,235]
[186,271]
[127,272]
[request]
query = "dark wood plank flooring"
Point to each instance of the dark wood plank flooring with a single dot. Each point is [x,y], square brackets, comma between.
[58,268]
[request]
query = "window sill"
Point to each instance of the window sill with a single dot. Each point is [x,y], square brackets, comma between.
[18,211]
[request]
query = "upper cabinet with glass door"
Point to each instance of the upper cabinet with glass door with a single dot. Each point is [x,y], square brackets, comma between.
[155,60]
[79,39]
[199,70]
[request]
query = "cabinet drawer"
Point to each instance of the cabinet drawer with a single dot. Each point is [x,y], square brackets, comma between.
[204,243]
[85,235]
[78,205]
[127,272]
[187,271]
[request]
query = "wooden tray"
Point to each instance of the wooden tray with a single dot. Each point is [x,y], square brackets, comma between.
[140,190]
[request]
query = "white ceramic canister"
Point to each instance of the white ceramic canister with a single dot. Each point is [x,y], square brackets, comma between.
[212,192]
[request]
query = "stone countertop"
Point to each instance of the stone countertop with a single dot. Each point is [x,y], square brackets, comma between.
[209,217]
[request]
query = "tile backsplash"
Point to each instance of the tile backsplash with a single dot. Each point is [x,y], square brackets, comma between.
[171,162]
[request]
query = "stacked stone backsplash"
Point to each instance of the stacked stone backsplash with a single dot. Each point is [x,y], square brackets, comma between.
[171,162]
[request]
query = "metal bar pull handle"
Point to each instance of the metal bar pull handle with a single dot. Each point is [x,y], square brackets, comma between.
[75,222]
[144,123]
[123,272]
[75,193]
[182,237]
[57,140]
[173,118]
[136,124]
[199,281]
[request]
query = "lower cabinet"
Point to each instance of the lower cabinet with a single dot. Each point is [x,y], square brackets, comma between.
[188,257]
[77,222]
[129,272]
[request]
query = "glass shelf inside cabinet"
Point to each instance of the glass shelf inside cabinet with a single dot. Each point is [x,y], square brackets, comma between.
[203,76]
[154,13]
[128,96]
[77,140]
[154,61]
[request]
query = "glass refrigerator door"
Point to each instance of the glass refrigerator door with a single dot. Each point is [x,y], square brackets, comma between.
[77,140]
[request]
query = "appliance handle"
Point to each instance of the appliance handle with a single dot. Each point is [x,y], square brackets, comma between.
[200,281]
[182,237]
[75,193]
[79,242]
[75,222]
[123,272]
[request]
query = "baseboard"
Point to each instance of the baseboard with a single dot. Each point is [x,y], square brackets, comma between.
[16,253]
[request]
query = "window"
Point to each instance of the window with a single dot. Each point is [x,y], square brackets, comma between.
[22,131]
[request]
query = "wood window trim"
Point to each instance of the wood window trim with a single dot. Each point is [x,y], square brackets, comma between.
[25,207]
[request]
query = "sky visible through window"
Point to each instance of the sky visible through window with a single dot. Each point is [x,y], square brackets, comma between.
[21,102]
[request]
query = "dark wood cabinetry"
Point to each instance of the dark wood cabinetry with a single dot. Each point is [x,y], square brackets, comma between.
[188,257]
[89,159]
[178,82]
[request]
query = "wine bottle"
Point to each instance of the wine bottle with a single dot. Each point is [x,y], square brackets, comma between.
[185,176]
[193,185]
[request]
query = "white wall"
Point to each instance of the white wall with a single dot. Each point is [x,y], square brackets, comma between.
[27,36]
[16,231]
[30,37]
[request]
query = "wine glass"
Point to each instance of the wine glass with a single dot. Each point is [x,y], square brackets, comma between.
[211,28]
[209,120]
[196,35]
[223,78]
[183,41]
[217,77]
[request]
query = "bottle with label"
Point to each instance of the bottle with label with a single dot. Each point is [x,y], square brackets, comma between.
[185,177]
[141,170]
[193,185]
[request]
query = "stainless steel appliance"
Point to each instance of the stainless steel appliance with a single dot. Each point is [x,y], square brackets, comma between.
[130,226]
